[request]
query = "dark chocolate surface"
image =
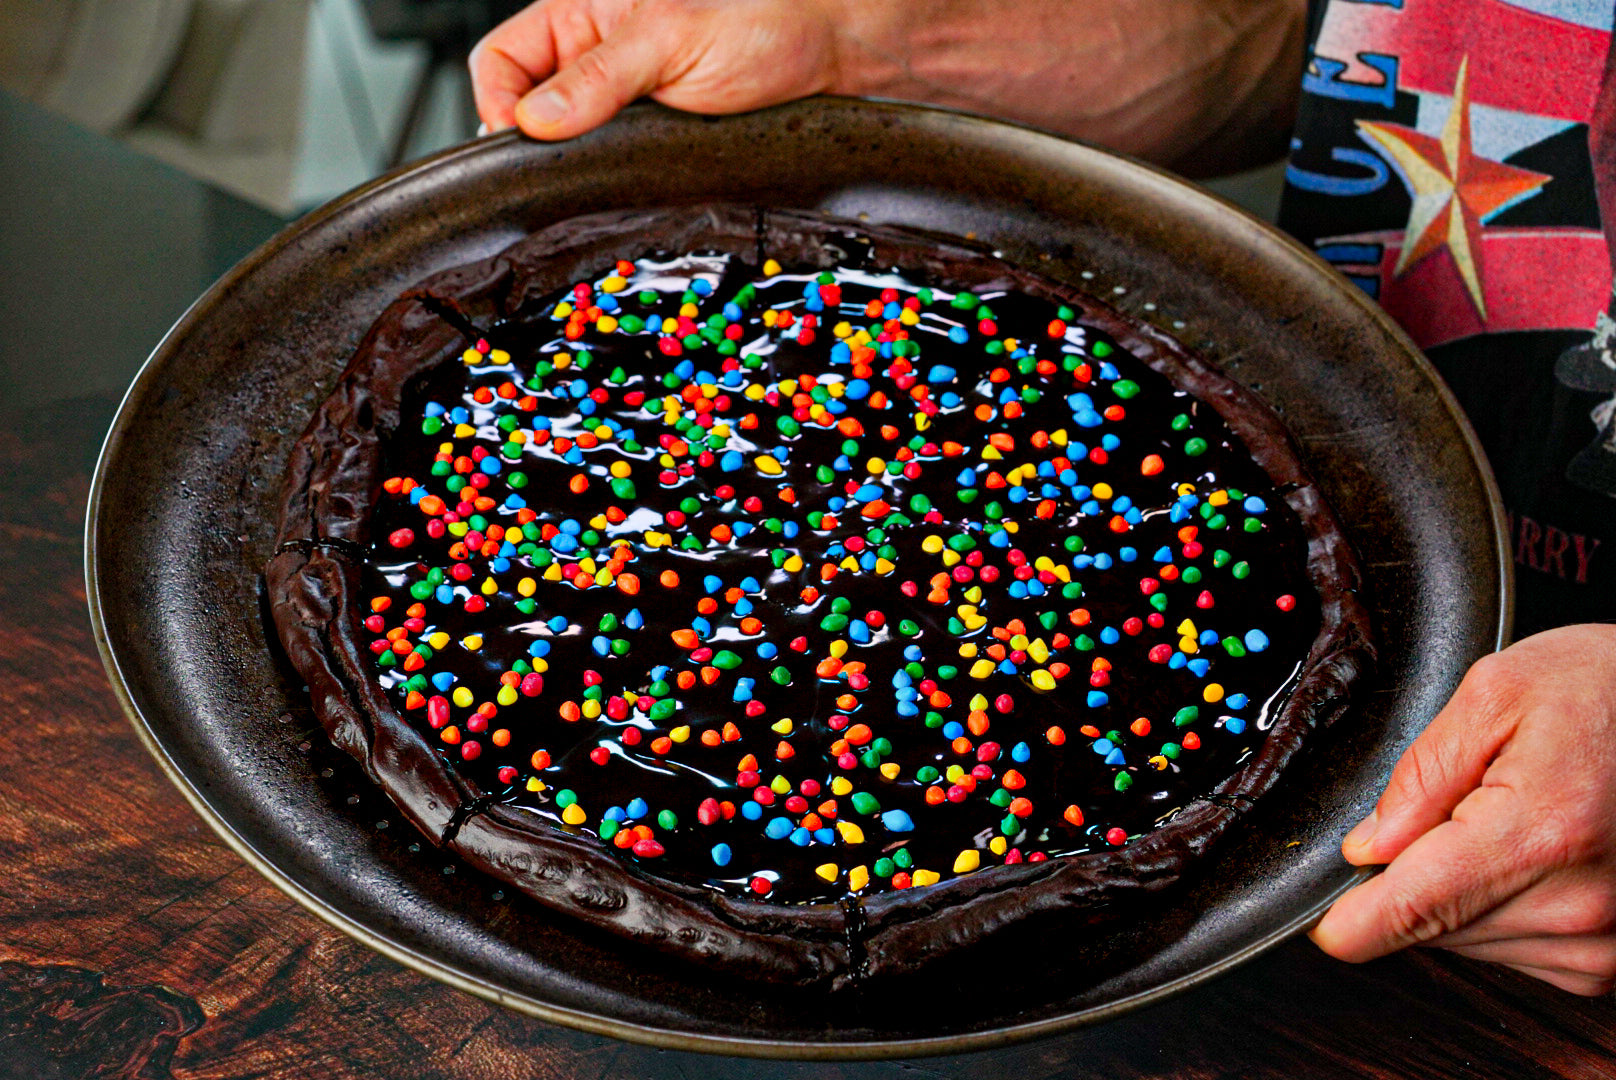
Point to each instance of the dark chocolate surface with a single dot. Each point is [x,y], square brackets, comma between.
[500,803]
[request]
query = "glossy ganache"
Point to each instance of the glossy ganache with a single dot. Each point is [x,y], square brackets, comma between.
[807,574]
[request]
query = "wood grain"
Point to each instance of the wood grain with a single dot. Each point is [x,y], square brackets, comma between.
[135,944]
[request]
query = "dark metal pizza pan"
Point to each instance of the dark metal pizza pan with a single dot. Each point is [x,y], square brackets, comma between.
[181,520]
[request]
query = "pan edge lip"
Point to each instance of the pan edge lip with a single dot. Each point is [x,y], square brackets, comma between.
[649,1034]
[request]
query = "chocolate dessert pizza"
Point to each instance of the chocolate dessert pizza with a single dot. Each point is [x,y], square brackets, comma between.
[806,599]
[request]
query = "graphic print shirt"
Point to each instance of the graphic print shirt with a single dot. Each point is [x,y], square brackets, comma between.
[1457,160]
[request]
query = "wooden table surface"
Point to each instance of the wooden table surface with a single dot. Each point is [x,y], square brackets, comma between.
[135,944]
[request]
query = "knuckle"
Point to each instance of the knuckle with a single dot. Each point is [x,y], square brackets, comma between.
[593,71]
[1553,837]
[1415,923]
[1495,680]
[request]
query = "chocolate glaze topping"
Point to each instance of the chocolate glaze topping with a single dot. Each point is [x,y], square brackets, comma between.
[834,598]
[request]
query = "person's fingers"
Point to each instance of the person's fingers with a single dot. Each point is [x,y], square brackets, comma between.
[585,93]
[513,58]
[1452,875]
[1576,983]
[1441,767]
[1591,955]
[1577,903]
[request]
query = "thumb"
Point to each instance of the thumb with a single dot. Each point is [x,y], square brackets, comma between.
[1446,879]
[1441,767]
[586,93]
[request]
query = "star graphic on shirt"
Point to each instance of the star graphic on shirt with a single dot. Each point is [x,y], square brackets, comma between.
[1454,191]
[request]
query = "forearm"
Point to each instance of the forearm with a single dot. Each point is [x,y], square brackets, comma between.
[1204,86]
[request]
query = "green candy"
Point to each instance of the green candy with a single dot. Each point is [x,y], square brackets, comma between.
[865,803]
[726,661]
[667,820]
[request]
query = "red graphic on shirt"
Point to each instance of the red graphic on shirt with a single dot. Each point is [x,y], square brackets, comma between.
[1535,63]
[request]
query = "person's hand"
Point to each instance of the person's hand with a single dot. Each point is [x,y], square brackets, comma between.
[561,67]
[1201,84]
[1498,827]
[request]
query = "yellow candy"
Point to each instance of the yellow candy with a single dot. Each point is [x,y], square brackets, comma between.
[770,268]
[998,845]
[925,877]
[857,878]
[499,356]
[471,643]
[767,465]
[438,640]
[680,734]
[1043,680]
[490,587]
[1187,628]
[841,786]
[968,650]
[462,697]
[574,815]
[614,284]
[967,861]
[889,770]
[978,701]
[1212,692]
[606,324]
[982,669]
[591,710]
[780,786]
[620,469]
[931,545]
[829,871]
[1102,490]
[781,727]
[507,695]
[849,832]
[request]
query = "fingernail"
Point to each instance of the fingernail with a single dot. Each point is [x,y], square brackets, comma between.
[547,107]
[1364,831]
